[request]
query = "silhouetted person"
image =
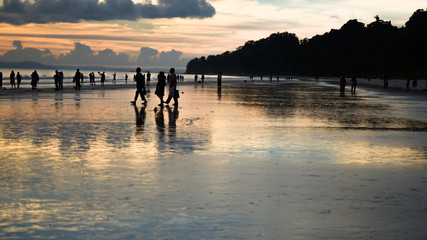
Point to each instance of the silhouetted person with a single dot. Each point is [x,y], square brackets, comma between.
[92,78]
[353,85]
[82,77]
[34,79]
[219,79]
[173,92]
[1,80]
[61,80]
[102,77]
[148,77]
[195,78]
[414,83]
[343,83]
[140,87]
[76,79]
[12,79]
[126,78]
[56,78]
[160,88]
[408,82]
[18,79]
[385,82]
[114,78]
[203,77]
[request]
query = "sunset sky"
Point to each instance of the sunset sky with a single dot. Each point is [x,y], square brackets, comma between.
[169,32]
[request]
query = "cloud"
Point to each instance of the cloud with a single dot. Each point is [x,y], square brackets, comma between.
[152,57]
[21,54]
[83,55]
[147,56]
[17,12]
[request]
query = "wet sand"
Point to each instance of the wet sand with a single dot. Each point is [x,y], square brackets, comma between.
[256,160]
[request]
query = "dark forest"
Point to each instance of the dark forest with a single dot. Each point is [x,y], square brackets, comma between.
[378,49]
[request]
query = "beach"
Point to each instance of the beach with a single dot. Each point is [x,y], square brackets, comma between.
[250,160]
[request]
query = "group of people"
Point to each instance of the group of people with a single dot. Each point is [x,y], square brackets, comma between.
[16,84]
[343,84]
[13,84]
[171,79]
[59,80]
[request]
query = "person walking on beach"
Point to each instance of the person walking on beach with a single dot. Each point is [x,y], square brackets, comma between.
[12,79]
[140,86]
[34,79]
[1,80]
[343,83]
[18,79]
[353,85]
[126,78]
[160,88]
[114,78]
[77,79]
[172,81]
[219,79]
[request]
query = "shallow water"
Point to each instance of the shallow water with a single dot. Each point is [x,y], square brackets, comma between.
[247,161]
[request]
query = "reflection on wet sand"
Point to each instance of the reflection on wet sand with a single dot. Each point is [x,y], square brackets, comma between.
[241,162]
[323,104]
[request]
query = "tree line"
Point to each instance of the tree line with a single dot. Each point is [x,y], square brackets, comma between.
[378,49]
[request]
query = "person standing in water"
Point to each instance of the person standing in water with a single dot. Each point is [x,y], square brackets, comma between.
[148,77]
[34,79]
[353,85]
[77,79]
[140,87]
[12,79]
[343,83]
[1,80]
[160,88]
[18,79]
[219,79]
[102,78]
[172,81]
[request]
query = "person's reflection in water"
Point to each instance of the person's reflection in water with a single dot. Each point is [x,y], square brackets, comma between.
[140,119]
[160,123]
[58,100]
[173,115]
[77,99]
[219,93]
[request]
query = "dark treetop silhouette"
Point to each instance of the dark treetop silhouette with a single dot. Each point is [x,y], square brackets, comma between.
[372,50]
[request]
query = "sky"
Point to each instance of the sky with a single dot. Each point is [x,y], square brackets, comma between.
[169,33]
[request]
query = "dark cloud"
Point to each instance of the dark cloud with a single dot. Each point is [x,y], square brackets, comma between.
[152,57]
[83,55]
[21,54]
[20,12]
